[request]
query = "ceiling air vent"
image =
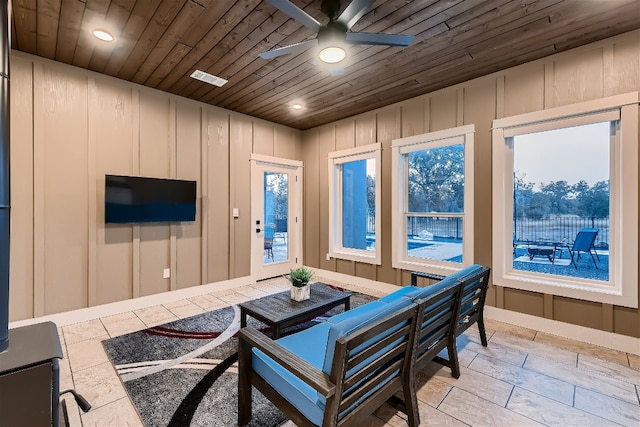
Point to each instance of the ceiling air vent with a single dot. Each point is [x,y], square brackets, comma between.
[208,78]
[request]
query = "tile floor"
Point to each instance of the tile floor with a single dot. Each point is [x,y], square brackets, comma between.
[522,378]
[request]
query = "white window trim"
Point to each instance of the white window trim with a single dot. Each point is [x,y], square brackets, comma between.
[336,250]
[622,288]
[463,134]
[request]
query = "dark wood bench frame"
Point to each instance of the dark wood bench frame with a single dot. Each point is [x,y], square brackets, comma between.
[333,386]
[476,294]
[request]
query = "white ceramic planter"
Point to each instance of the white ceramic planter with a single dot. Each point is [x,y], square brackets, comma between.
[300,294]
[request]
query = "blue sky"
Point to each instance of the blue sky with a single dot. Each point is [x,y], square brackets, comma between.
[569,154]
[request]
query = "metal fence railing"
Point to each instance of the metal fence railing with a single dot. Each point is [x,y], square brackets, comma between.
[561,228]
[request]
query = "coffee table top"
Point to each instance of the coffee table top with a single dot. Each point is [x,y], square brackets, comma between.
[280,307]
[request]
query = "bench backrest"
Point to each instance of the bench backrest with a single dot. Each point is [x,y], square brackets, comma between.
[370,363]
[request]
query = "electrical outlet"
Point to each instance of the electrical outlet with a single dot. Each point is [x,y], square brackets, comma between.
[166,273]
[328,257]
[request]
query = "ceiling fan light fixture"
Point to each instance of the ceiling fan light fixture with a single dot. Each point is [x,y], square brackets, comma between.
[332,54]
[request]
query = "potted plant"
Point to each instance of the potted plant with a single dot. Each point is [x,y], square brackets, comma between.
[299,279]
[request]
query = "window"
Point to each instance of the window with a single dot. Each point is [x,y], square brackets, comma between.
[432,193]
[565,201]
[354,204]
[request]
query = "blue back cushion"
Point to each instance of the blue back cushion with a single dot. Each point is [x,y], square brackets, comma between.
[451,279]
[358,321]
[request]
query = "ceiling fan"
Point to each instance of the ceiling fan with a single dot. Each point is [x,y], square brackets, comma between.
[333,36]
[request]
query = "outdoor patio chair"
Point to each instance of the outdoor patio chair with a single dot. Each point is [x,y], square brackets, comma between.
[269,231]
[584,242]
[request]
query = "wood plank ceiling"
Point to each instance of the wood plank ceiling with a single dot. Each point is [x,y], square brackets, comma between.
[159,43]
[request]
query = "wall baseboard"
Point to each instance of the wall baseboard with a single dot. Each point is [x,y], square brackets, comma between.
[111,309]
[565,330]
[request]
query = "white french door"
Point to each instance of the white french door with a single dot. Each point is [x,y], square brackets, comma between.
[276,216]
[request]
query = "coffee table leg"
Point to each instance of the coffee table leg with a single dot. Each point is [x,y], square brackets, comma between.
[243,318]
[276,332]
[347,304]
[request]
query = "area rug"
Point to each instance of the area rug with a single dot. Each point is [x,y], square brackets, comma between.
[184,373]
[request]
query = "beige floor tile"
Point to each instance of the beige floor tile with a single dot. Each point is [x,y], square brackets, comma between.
[208,302]
[251,292]
[592,381]
[99,384]
[432,417]
[63,343]
[431,390]
[73,412]
[550,412]
[473,333]
[188,310]
[493,349]
[156,315]
[124,323]
[66,378]
[475,411]
[607,407]
[493,390]
[539,383]
[120,413]
[603,353]
[92,329]
[465,356]
[387,415]
[234,298]
[609,369]
[271,288]
[507,328]
[634,361]
[85,354]
[178,303]
[569,358]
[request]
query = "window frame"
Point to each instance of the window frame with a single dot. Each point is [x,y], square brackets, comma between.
[335,160]
[622,287]
[399,195]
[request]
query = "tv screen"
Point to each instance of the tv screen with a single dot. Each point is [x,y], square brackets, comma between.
[133,199]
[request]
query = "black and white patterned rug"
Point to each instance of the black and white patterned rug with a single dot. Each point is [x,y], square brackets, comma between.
[184,373]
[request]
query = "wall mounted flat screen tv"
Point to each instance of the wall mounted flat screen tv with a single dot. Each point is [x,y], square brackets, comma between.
[134,199]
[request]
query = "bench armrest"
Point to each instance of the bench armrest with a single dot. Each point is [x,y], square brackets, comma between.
[416,274]
[297,366]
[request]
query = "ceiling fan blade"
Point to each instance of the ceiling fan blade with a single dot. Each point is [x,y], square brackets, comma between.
[298,47]
[353,12]
[297,14]
[379,39]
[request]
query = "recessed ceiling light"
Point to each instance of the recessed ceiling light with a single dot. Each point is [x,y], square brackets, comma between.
[296,107]
[102,35]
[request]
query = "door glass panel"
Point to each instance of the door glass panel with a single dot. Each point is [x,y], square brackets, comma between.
[276,217]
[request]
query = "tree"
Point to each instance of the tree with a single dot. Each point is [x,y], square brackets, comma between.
[436,180]
[557,193]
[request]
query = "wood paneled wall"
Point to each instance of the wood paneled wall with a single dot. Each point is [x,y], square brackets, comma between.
[70,127]
[601,69]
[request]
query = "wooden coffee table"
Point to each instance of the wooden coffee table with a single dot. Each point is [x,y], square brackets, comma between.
[279,311]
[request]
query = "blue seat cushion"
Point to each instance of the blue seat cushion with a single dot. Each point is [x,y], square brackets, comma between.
[309,345]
